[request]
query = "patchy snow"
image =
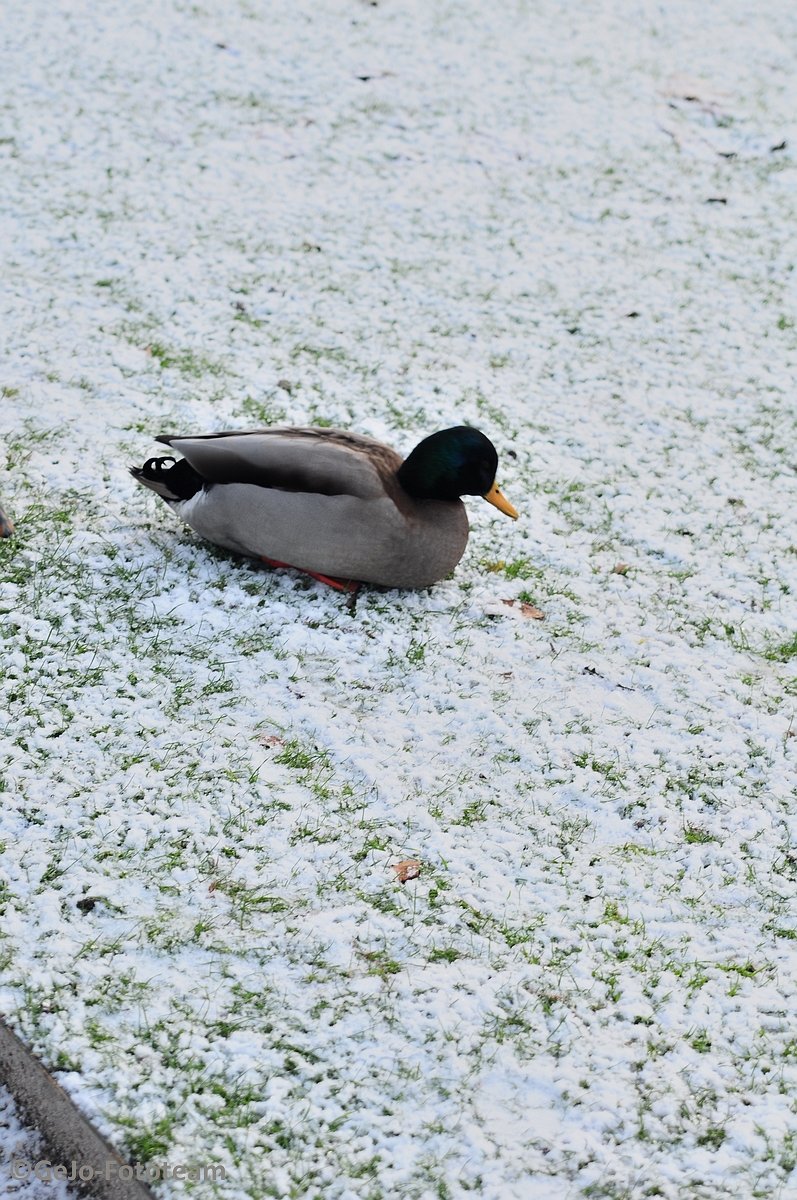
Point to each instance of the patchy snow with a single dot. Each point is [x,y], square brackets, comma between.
[570,226]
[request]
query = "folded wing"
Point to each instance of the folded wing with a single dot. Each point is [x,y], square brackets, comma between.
[327,462]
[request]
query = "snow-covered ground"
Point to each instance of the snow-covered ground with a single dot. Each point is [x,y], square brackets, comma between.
[571,225]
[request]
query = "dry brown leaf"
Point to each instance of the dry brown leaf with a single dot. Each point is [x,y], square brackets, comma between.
[6,525]
[620,569]
[214,883]
[270,739]
[408,868]
[693,90]
[529,611]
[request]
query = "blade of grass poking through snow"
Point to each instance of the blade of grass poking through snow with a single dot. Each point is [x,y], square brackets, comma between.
[396,219]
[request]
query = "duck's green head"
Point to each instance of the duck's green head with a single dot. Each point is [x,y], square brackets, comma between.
[452,463]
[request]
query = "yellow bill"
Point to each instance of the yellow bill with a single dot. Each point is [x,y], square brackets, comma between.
[494,497]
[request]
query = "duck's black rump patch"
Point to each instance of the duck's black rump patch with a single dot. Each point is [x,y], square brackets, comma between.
[171,478]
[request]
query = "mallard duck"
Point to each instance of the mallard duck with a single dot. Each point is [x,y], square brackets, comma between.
[334,504]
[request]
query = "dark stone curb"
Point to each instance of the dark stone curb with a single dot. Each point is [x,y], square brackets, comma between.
[66,1134]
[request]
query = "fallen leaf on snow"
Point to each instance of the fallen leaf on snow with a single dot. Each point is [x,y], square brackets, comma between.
[529,611]
[620,569]
[270,739]
[408,868]
[692,90]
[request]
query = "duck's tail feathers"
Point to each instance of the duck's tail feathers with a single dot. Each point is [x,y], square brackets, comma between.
[170,478]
